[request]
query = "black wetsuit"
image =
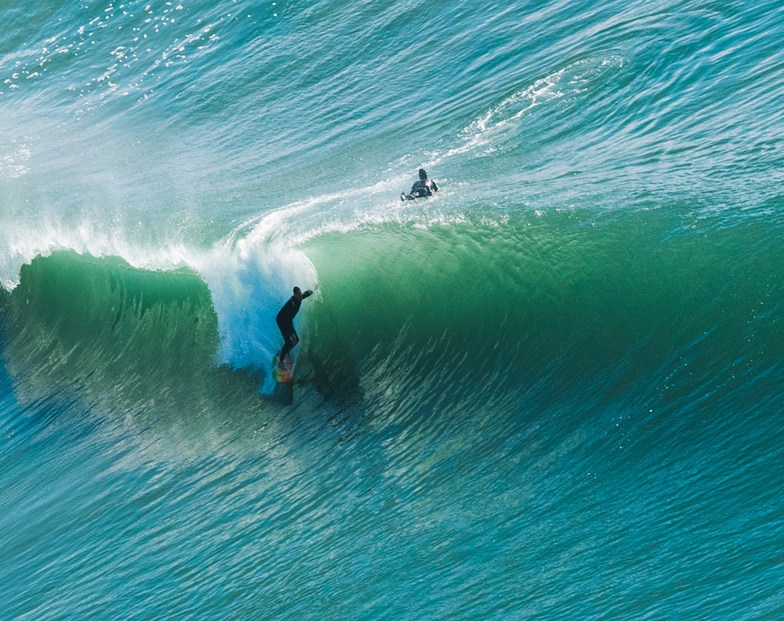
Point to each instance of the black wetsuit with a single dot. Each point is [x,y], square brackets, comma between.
[285,321]
[423,187]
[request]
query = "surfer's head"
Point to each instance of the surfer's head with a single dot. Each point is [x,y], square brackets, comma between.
[422,173]
[297,293]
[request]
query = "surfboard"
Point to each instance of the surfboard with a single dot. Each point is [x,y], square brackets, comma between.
[284,374]
[411,197]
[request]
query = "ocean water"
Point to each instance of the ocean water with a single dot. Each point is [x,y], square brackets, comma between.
[554,390]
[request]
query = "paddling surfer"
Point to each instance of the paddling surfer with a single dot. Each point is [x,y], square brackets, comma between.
[422,187]
[285,321]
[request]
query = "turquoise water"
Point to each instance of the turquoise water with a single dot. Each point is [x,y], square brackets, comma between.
[551,391]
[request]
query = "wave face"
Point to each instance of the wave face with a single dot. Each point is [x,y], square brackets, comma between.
[100,323]
[550,391]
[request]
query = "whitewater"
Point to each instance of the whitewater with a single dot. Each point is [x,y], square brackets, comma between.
[550,391]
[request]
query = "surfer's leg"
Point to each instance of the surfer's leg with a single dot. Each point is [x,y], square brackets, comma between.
[285,332]
[291,339]
[286,349]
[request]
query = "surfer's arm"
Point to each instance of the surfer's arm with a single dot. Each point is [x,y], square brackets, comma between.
[306,294]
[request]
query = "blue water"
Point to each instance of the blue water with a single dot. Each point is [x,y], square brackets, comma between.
[551,391]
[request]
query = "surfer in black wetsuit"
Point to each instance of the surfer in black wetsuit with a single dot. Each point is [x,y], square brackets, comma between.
[422,187]
[285,321]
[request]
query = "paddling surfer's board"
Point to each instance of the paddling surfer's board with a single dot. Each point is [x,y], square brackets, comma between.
[411,197]
[283,374]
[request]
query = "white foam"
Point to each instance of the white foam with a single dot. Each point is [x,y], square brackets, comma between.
[250,279]
[20,245]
